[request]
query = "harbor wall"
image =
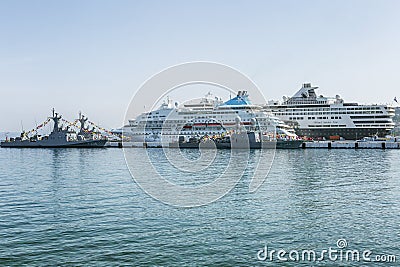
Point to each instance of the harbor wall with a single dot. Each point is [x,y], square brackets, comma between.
[305,145]
[352,145]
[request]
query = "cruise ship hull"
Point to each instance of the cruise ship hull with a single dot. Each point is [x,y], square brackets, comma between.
[346,133]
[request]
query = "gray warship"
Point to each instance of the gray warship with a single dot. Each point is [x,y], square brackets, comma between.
[251,140]
[59,137]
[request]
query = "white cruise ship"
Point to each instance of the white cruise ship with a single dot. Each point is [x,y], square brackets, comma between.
[318,116]
[206,116]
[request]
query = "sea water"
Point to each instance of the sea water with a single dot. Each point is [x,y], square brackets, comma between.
[80,207]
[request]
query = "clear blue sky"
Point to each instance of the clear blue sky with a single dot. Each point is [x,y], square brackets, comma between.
[93,55]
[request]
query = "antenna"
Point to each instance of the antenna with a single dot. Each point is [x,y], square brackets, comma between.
[22,127]
[36,128]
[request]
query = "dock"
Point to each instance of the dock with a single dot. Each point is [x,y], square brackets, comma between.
[306,145]
[352,145]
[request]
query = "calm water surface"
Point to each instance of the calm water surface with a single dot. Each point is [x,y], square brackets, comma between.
[80,207]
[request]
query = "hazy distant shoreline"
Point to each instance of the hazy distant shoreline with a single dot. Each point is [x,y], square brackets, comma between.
[9,134]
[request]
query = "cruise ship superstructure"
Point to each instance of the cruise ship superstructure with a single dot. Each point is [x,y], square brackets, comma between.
[205,116]
[318,116]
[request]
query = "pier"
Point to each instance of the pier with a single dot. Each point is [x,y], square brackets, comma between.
[306,145]
[352,145]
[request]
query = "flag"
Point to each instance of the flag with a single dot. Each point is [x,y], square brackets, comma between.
[395,100]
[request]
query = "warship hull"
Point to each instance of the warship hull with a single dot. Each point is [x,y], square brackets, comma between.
[54,144]
[249,140]
[293,144]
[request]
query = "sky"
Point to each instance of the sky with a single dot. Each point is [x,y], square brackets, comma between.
[92,56]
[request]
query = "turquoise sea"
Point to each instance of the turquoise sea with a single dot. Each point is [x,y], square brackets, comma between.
[81,207]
